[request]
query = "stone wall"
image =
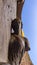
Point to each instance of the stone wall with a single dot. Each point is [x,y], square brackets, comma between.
[7,13]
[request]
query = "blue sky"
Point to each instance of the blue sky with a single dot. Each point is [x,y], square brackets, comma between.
[29,19]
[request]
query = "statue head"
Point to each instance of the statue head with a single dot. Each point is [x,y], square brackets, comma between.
[16,26]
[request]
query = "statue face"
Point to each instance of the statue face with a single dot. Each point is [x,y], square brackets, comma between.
[16,26]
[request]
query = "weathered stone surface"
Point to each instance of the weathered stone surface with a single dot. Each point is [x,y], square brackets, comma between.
[7,12]
[26,59]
